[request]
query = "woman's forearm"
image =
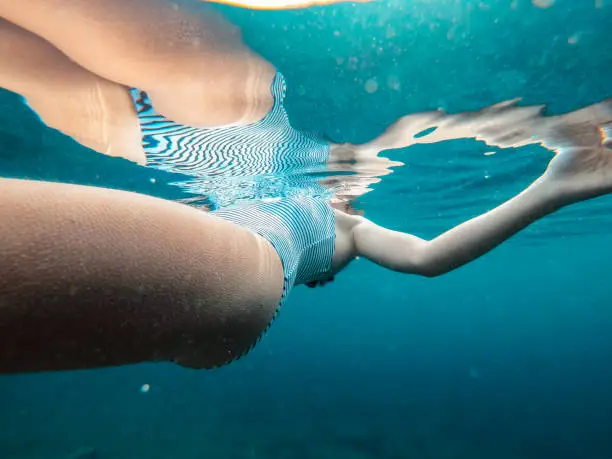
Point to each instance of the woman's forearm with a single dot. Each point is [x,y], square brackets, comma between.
[461,244]
[480,235]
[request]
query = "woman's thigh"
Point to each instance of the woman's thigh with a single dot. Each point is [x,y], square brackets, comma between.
[94,277]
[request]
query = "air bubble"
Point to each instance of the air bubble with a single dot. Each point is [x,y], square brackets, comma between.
[393,82]
[371,86]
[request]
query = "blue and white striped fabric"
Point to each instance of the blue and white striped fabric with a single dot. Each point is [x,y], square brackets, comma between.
[270,148]
[301,230]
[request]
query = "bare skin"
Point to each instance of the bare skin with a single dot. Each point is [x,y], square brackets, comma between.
[191,62]
[74,61]
[92,277]
[94,111]
[185,55]
[581,170]
[504,125]
[99,113]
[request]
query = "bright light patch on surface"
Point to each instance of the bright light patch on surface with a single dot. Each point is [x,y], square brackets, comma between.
[543,3]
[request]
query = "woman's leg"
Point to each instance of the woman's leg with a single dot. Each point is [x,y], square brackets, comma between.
[192,63]
[93,277]
[96,112]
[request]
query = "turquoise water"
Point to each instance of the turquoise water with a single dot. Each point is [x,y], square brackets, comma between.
[507,358]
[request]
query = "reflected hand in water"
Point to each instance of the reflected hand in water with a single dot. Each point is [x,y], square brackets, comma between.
[503,125]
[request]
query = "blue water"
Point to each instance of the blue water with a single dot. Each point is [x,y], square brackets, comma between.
[507,358]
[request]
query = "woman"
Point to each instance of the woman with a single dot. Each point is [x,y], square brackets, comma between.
[92,277]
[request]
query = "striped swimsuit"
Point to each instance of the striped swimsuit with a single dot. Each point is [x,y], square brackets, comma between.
[301,230]
[240,163]
[299,223]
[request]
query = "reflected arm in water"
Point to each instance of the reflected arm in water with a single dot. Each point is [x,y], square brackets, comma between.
[503,125]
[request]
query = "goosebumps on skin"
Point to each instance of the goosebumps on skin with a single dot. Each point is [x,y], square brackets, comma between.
[93,277]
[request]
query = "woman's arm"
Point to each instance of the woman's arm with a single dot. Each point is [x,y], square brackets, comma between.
[575,174]
[458,246]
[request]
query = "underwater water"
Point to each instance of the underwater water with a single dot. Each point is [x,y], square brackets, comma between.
[507,358]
